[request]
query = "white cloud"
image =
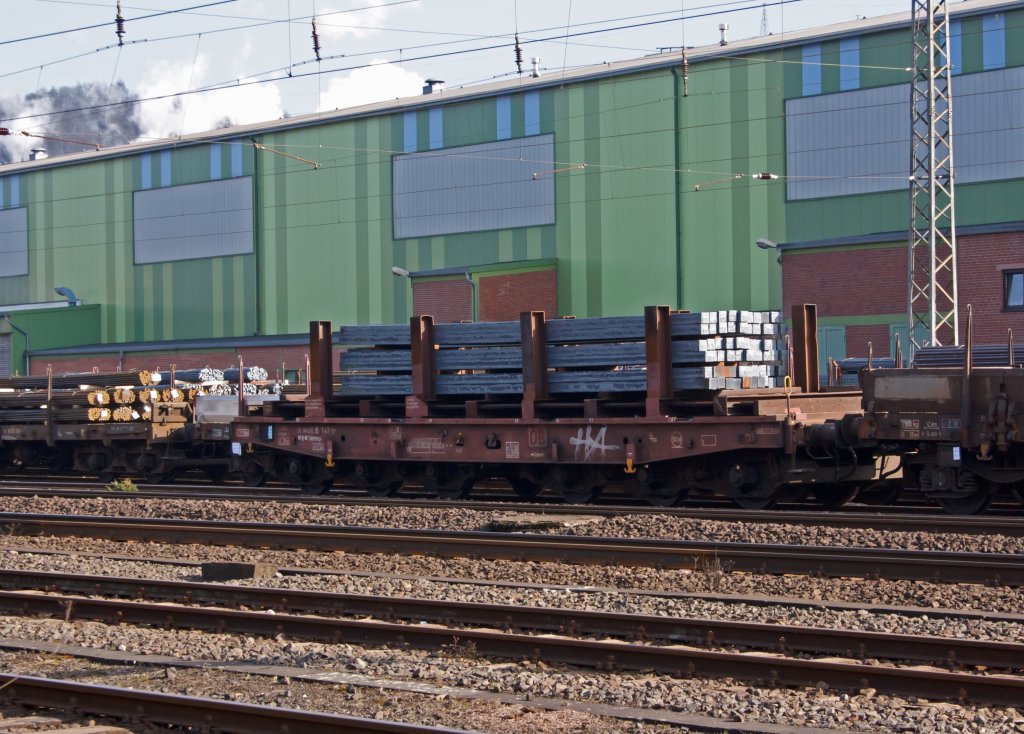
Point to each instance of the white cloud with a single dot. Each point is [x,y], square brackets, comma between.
[161,118]
[334,25]
[376,83]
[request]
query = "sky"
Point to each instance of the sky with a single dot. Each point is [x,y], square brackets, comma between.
[371,50]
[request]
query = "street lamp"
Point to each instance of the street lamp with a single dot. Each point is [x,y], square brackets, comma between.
[766,244]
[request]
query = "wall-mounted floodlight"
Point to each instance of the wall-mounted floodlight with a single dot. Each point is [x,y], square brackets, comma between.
[400,272]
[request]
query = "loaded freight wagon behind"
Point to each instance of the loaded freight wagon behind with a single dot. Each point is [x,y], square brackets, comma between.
[660,404]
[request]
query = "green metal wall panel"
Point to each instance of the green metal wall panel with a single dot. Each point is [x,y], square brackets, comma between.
[630,229]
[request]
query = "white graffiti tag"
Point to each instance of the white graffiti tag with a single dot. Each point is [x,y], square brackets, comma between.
[591,444]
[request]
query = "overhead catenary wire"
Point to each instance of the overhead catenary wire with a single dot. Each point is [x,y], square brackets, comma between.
[251,81]
[51,34]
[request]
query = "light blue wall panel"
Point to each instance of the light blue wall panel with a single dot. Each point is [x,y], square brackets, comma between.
[811,69]
[215,151]
[503,106]
[993,41]
[409,132]
[436,117]
[956,46]
[532,112]
[849,63]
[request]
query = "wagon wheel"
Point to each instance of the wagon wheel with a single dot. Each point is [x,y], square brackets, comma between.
[575,486]
[751,486]
[751,501]
[978,495]
[367,477]
[1018,492]
[217,474]
[447,481]
[318,486]
[834,496]
[253,475]
[659,489]
[525,489]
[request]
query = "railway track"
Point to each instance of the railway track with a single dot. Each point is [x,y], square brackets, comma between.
[693,631]
[205,714]
[572,644]
[941,567]
[910,518]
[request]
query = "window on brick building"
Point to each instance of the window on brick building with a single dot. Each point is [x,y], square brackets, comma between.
[1013,291]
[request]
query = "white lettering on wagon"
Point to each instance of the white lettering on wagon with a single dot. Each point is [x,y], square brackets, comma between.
[590,444]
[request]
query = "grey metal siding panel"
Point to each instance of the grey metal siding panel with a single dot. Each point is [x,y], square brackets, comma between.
[474,188]
[859,142]
[13,242]
[5,355]
[848,143]
[198,220]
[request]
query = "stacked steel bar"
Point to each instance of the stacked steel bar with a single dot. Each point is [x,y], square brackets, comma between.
[76,380]
[34,406]
[982,355]
[709,351]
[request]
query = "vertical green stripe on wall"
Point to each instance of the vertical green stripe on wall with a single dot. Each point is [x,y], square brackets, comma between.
[278,258]
[741,213]
[108,324]
[593,182]
[362,256]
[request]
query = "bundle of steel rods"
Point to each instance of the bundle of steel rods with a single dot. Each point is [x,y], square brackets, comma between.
[982,355]
[76,380]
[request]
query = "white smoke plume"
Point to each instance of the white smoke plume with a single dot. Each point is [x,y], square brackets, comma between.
[180,115]
[376,83]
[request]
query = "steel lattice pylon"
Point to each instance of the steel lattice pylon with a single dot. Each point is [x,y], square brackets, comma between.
[931,256]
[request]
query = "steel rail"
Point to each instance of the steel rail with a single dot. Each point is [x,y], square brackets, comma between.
[698,631]
[607,655]
[941,567]
[851,517]
[205,714]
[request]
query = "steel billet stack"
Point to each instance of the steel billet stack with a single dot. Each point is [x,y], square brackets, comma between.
[716,350]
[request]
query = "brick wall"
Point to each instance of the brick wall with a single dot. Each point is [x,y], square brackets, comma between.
[981,261]
[270,358]
[847,282]
[445,300]
[858,336]
[504,297]
[870,282]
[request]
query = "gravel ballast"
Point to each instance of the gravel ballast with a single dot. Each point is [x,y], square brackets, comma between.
[653,526]
[622,602]
[724,699]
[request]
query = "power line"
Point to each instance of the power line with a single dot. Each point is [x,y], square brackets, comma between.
[106,23]
[457,52]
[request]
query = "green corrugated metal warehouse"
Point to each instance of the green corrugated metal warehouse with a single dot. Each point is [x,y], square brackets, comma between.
[635,185]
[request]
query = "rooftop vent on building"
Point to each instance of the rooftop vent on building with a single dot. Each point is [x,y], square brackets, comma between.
[724,30]
[433,85]
[37,154]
